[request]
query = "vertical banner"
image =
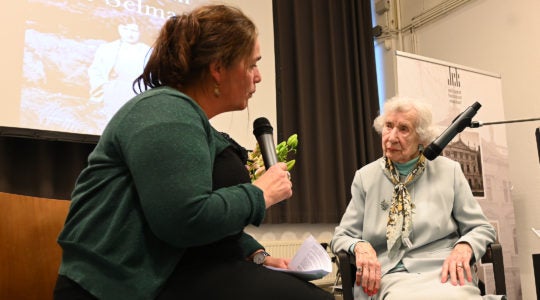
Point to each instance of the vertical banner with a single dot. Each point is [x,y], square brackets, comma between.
[482,152]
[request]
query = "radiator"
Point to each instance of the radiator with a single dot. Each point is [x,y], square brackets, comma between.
[287,249]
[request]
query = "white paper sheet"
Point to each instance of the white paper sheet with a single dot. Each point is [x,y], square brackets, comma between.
[310,262]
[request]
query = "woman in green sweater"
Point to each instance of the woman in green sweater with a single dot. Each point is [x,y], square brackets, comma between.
[159,211]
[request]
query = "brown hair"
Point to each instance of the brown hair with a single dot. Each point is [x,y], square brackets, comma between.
[187,44]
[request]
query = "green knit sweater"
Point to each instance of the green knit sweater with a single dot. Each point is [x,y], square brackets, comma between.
[146,195]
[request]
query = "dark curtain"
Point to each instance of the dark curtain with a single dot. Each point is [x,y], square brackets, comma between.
[327,93]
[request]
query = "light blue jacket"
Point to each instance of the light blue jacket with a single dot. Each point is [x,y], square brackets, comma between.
[446,213]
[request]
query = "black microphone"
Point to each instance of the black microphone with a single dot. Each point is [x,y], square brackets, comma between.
[263,132]
[463,120]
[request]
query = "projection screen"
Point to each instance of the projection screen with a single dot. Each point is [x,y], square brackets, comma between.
[69,65]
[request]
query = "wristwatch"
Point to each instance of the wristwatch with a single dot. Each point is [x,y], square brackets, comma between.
[259,257]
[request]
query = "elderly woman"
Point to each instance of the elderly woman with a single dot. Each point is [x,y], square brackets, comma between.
[413,225]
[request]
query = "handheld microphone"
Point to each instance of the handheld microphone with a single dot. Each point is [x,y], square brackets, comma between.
[463,120]
[263,132]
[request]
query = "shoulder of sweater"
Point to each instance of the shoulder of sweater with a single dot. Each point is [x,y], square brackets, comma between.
[161,105]
[370,167]
[369,174]
[165,98]
[442,162]
[164,90]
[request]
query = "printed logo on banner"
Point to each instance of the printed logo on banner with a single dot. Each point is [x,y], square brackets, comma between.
[454,85]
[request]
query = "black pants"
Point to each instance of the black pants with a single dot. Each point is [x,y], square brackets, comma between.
[237,280]
[233,280]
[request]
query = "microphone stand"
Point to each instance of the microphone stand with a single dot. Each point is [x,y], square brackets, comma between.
[476,124]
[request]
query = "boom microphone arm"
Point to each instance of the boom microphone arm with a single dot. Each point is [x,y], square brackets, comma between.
[476,124]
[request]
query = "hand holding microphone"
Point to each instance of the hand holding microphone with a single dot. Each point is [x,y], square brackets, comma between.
[275,182]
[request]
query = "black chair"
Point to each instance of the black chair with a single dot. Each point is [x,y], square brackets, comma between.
[347,270]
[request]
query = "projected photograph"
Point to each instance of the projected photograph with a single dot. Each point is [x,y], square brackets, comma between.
[465,149]
[81,57]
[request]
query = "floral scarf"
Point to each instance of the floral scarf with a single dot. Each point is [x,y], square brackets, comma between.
[399,226]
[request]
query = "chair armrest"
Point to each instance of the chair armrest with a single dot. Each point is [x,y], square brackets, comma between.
[347,269]
[494,255]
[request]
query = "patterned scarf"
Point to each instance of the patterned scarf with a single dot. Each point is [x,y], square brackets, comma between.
[399,224]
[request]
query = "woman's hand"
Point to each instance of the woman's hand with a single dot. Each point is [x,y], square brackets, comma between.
[275,183]
[457,264]
[368,268]
[277,262]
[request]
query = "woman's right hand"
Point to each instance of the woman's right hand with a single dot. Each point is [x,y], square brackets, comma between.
[368,268]
[277,262]
[275,184]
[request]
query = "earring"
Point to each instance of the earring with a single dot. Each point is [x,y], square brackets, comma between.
[420,148]
[216,90]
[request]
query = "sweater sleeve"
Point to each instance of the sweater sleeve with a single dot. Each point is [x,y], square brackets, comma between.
[350,229]
[170,150]
[249,244]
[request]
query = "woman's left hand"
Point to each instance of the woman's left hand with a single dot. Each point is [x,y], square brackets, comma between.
[277,262]
[457,265]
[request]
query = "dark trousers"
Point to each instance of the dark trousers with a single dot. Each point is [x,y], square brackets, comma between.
[238,280]
[225,280]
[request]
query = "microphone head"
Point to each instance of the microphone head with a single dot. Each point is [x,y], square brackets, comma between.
[261,126]
[432,151]
[476,106]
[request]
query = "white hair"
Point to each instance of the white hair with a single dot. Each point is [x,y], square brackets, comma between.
[423,126]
